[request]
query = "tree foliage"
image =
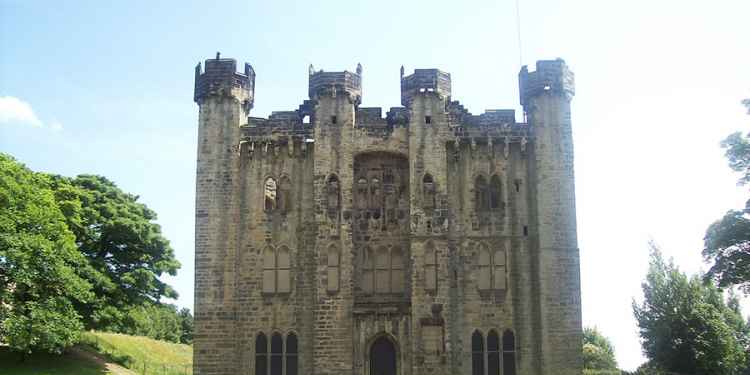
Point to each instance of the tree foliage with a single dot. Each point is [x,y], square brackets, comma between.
[598,352]
[727,241]
[685,325]
[40,267]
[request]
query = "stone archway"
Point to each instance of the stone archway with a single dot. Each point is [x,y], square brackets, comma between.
[383,357]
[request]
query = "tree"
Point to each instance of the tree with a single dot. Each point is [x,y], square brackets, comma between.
[685,325]
[123,244]
[186,322]
[727,241]
[598,353]
[39,265]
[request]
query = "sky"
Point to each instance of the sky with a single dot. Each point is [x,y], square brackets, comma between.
[106,88]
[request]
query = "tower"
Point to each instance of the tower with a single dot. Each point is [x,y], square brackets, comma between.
[225,98]
[545,96]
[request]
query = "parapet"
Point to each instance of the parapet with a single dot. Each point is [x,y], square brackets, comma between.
[551,76]
[424,80]
[221,78]
[335,83]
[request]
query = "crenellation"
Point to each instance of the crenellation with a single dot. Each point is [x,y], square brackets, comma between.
[333,239]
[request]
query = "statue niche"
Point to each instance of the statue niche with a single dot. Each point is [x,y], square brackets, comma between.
[381,192]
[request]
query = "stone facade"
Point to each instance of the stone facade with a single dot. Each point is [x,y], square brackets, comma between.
[334,240]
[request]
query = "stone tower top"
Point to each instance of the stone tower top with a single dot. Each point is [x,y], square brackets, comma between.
[221,78]
[551,76]
[333,83]
[424,80]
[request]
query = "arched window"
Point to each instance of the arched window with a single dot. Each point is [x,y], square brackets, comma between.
[430,267]
[261,355]
[284,196]
[481,198]
[276,270]
[368,270]
[333,197]
[477,354]
[334,260]
[509,353]
[493,353]
[376,196]
[270,195]
[363,196]
[428,192]
[496,197]
[485,268]
[291,354]
[277,351]
[397,271]
[498,270]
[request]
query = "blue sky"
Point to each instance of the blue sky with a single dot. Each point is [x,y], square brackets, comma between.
[107,89]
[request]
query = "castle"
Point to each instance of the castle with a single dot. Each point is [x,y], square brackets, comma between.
[334,240]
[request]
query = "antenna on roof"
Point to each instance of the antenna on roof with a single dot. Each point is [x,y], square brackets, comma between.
[518,33]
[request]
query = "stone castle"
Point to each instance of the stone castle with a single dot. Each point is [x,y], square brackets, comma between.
[334,240]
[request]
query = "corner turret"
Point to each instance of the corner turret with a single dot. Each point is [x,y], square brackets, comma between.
[551,76]
[424,80]
[222,79]
[335,83]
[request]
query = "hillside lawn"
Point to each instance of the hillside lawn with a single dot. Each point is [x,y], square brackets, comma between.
[48,364]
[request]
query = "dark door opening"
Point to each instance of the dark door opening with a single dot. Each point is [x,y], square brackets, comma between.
[382,357]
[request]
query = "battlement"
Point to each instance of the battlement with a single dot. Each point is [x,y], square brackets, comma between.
[334,83]
[551,76]
[424,80]
[372,117]
[221,78]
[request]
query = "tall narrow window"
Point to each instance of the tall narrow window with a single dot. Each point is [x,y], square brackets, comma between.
[382,270]
[430,267]
[333,197]
[493,353]
[368,270]
[428,192]
[261,355]
[284,195]
[283,276]
[270,195]
[481,199]
[269,270]
[485,268]
[291,354]
[509,353]
[376,197]
[498,270]
[362,193]
[477,353]
[333,268]
[397,271]
[496,197]
[277,350]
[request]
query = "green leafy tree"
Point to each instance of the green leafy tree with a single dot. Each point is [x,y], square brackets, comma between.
[598,352]
[123,244]
[685,325]
[727,241]
[39,265]
[186,322]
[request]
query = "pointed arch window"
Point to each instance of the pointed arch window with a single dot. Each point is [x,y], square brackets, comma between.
[493,353]
[481,194]
[276,270]
[277,352]
[376,196]
[363,196]
[430,267]
[261,354]
[334,268]
[509,353]
[291,354]
[270,195]
[496,193]
[477,353]
[284,195]
[428,192]
[333,197]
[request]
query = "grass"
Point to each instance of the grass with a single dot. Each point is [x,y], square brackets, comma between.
[137,352]
[47,364]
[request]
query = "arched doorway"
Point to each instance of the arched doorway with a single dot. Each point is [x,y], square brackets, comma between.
[382,357]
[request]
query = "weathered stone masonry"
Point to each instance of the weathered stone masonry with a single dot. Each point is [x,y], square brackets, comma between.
[334,239]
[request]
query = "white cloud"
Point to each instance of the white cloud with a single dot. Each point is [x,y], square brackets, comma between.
[16,111]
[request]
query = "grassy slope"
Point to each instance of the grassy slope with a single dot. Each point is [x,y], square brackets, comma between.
[47,364]
[135,350]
